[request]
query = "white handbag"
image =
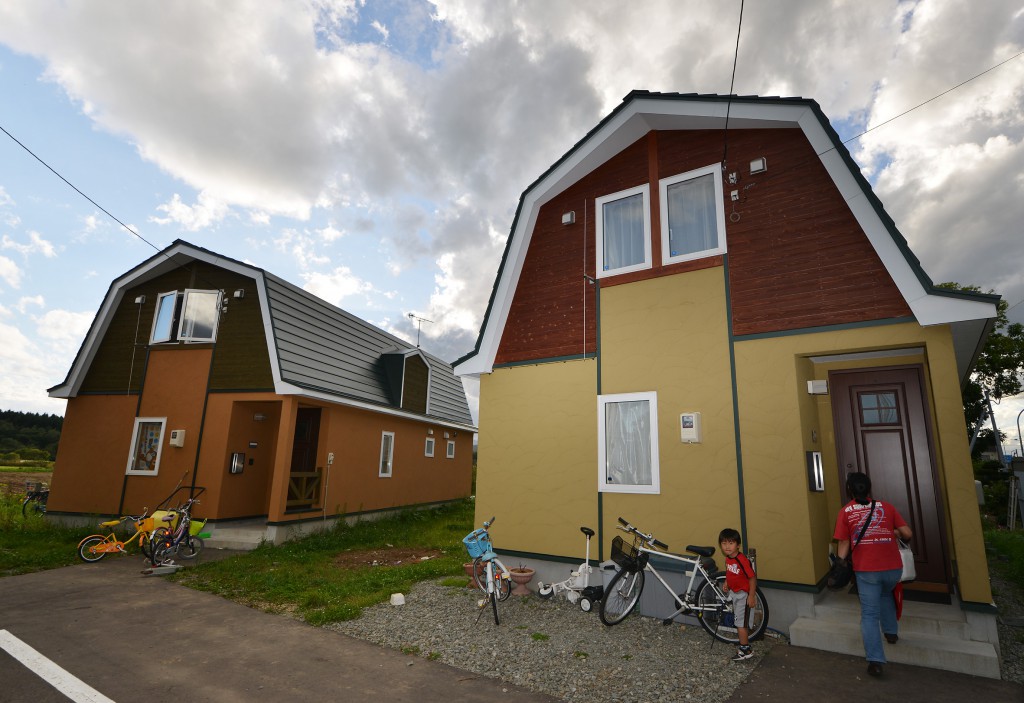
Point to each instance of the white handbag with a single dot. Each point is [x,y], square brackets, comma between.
[907,554]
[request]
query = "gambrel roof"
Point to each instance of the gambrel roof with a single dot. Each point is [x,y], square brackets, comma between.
[970,316]
[316,349]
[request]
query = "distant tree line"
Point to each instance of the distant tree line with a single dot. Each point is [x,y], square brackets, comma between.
[28,435]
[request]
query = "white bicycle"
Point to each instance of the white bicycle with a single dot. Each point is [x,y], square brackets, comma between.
[705,598]
[577,588]
[496,583]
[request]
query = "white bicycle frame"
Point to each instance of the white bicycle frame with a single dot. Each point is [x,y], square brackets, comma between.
[688,605]
[579,579]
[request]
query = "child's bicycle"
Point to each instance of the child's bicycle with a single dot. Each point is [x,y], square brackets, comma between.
[95,547]
[182,539]
[704,598]
[496,582]
[577,588]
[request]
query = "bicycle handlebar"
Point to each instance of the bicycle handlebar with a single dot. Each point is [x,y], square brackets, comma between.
[626,527]
[489,522]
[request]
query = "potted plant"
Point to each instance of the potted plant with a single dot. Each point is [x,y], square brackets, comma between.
[521,575]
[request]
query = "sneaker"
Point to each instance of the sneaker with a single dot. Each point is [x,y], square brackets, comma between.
[874,669]
[891,639]
[743,655]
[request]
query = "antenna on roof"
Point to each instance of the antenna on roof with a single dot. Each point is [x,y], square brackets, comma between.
[419,324]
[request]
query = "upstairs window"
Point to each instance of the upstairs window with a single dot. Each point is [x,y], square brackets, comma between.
[692,215]
[189,316]
[624,231]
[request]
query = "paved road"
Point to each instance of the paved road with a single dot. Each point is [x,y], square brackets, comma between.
[140,638]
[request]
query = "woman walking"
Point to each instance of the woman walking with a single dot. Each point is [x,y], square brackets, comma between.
[867,528]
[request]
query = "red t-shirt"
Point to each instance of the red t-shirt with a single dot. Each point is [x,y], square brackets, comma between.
[878,549]
[738,572]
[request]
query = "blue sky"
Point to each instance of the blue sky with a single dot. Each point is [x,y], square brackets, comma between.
[374,152]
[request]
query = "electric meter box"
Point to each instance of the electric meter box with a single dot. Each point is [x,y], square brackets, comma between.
[689,428]
[177,438]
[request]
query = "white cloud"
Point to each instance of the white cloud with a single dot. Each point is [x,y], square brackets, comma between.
[36,245]
[65,329]
[9,272]
[25,301]
[207,211]
[5,199]
[381,29]
[336,286]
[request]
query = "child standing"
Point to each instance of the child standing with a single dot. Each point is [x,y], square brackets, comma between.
[740,586]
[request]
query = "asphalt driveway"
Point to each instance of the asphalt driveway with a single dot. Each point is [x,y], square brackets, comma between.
[128,637]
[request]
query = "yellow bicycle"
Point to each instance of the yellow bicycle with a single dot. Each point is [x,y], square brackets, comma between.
[95,547]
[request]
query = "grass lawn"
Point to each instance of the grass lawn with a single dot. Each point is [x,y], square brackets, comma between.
[1009,553]
[313,579]
[33,544]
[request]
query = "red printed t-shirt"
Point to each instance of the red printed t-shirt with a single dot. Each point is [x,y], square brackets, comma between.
[878,550]
[738,572]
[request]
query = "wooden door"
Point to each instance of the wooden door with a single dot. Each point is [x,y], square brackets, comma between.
[882,429]
[304,479]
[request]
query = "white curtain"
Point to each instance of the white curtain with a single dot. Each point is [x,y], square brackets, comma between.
[623,232]
[693,226]
[628,443]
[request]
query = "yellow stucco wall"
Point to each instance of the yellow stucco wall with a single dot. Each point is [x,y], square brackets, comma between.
[538,468]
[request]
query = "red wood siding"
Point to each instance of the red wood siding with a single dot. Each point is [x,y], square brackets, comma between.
[797,257]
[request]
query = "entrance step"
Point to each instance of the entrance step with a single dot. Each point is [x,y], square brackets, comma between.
[243,534]
[931,635]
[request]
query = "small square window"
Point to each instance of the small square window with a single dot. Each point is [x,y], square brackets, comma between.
[692,215]
[627,450]
[387,454]
[623,227]
[451,449]
[147,446]
[428,449]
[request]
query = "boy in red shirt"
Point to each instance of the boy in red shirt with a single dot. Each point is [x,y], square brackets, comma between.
[740,586]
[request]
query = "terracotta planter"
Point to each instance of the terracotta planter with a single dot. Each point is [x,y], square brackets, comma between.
[521,576]
[468,568]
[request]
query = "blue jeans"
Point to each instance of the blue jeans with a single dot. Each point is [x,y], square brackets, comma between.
[877,608]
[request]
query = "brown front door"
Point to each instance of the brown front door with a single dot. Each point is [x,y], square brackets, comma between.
[304,480]
[882,430]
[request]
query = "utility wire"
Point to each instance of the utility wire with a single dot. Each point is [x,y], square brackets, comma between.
[75,188]
[732,84]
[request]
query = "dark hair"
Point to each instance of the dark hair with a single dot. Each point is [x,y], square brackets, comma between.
[858,485]
[729,534]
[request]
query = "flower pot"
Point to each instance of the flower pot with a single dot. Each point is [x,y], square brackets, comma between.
[468,568]
[521,576]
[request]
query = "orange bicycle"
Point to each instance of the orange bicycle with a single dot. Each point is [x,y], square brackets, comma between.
[95,547]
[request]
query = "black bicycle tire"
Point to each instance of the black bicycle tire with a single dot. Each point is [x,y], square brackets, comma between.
[91,539]
[612,596]
[711,620]
[161,544]
[191,548]
[38,506]
[493,597]
[477,563]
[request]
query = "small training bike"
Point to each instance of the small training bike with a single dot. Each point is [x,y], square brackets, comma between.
[490,575]
[95,547]
[35,500]
[577,588]
[704,598]
[180,540]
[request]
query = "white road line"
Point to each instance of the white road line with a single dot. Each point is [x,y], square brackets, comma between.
[49,672]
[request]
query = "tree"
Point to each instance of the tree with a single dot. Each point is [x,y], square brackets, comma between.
[1000,366]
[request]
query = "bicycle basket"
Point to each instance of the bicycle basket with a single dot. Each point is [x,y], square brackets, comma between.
[477,542]
[628,556]
[195,527]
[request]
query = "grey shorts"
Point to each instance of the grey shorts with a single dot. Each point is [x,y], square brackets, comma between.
[739,608]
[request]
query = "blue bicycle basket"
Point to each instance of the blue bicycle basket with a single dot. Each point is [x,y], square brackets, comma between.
[477,542]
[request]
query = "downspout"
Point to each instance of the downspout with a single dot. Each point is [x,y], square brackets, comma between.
[735,407]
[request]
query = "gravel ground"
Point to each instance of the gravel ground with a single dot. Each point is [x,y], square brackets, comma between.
[1010,600]
[555,648]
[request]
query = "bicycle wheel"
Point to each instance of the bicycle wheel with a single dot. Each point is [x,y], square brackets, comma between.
[480,575]
[718,619]
[161,546]
[33,505]
[621,596]
[85,548]
[191,548]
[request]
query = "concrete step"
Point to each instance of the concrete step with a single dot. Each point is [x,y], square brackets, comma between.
[918,618]
[914,647]
[246,536]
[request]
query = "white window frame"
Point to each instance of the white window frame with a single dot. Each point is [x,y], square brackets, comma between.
[602,482]
[714,170]
[139,422]
[428,447]
[189,292]
[156,318]
[390,447]
[450,452]
[599,203]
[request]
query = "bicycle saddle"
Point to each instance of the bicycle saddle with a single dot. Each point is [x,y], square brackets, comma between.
[702,551]
[587,531]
